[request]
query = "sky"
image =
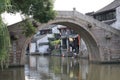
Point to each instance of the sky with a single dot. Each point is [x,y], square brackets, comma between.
[82,6]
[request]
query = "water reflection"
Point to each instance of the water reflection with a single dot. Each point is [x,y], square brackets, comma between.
[12,74]
[104,72]
[56,68]
[61,68]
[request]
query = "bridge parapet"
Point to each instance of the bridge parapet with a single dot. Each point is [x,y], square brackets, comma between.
[89,20]
[103,40]
[107,37]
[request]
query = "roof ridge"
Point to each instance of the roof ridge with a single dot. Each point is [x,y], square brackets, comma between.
[110,6]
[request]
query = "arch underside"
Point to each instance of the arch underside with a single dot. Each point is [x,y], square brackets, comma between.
[102,40]
[91,43]
[88,37]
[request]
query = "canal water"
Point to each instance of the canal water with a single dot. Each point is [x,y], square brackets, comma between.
[61,68]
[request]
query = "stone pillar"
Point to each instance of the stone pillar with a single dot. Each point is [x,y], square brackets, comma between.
[117,23]
[67,45]
[61,44]
[14,52]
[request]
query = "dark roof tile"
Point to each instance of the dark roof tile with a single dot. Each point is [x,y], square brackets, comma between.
[113,5]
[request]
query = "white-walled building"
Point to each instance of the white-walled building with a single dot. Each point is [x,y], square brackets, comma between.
[39,43]
[110,14]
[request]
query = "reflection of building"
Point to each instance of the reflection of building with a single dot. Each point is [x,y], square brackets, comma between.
[69,39]
[38,65]
[12,74]
[110,14]
[56,68]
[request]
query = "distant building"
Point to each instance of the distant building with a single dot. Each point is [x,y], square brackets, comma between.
[40,42]
[109,14]
[40,45]
[70,40]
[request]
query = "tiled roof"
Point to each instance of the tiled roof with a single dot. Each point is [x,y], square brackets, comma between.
[113,5]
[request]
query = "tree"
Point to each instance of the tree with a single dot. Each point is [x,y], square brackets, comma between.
[40,10]
[4,35]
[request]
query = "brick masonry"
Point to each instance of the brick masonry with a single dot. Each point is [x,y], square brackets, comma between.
[103,41]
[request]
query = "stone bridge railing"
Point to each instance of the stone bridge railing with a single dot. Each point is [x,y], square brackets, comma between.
[106,51]
[89,20]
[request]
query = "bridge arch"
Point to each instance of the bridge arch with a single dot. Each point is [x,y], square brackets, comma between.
[102,40]
[88,37]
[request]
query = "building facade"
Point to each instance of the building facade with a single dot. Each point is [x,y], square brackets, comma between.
[109,14]
[40,42]
[70,41]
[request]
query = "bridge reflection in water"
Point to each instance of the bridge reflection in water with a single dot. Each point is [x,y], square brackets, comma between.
[61,68]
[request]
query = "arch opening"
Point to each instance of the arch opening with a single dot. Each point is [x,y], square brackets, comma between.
[88,38]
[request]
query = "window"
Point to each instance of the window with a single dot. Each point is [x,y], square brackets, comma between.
[106,16]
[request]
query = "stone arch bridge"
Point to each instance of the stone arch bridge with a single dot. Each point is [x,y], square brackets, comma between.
[103,41]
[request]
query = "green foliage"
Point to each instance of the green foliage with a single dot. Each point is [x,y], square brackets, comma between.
[29,29]
[55,42]
[41,10]
[4,44]
[4,35]
[5,5]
